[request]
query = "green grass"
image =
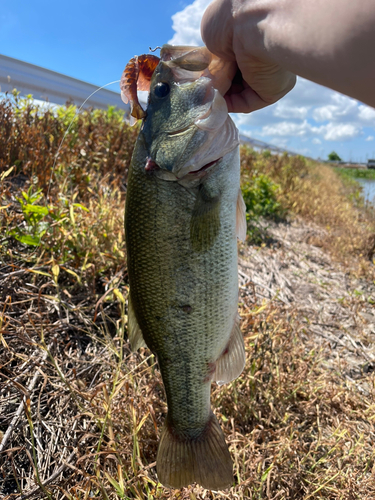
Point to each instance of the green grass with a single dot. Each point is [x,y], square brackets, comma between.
[69,205]
[356,173]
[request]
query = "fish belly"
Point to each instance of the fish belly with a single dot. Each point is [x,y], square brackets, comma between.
[184,300]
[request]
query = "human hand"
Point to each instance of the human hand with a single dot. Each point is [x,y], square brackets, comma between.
[231,30]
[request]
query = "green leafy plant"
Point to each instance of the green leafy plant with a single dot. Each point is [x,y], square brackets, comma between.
[356,173]
[41,219]
[260,197]
[34,227]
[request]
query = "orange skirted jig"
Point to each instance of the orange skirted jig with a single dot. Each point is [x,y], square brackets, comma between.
[137,76]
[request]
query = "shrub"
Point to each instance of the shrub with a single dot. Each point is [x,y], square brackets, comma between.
[260,197]
[98,144]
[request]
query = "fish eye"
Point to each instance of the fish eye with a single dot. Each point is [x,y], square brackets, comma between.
[161,89]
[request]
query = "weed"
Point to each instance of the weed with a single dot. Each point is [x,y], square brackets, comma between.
[356,173]
[89,430]
[260,197]
[34,227]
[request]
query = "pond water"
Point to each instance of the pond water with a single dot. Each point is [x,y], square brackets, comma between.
[368,189]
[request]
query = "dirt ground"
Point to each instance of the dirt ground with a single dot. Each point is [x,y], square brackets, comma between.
[336,309]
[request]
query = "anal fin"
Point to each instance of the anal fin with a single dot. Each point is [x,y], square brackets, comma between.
[230,364]
[134,330]
[241,224]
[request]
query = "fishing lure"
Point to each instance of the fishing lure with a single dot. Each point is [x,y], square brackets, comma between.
[187,63]
[137,76]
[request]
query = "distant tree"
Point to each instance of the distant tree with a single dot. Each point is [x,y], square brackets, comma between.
[334,156]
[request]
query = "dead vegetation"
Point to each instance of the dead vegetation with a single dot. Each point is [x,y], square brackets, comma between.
[316,193]
[80,414]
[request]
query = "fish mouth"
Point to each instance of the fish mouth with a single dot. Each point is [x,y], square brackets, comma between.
[189,179]
[204,168]
[194,177]
[180,131]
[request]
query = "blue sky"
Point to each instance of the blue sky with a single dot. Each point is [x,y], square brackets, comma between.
[94,40]
[88,40]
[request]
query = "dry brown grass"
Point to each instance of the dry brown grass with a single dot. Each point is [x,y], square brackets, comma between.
[98,144]
[315,192]
[324,200]
[80,415]
[295,429]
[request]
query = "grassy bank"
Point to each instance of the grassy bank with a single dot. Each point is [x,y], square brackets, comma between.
[66,209]
[79,412]
[356,173]
[318,194]
[71,215]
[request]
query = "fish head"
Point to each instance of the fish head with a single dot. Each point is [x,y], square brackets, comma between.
[186,116]
[173,108]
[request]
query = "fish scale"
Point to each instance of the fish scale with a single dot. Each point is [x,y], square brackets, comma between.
[182,264]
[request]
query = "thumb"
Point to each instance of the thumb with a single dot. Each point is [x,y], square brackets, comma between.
[217,29]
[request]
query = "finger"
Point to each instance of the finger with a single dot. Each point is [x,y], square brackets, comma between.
[217,29]
[245,102]
[262,86]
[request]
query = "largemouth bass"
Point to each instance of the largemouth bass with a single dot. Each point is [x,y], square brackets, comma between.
[184,211]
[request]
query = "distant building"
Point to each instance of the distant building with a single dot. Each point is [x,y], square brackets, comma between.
[371,163]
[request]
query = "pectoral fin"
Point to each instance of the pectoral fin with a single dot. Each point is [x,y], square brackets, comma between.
[205,222]
[134,331]
[232,361]
[241,224]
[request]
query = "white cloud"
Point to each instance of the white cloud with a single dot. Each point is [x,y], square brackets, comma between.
[284,110]
[316,141]
[340,132]
[303,151]
[290,129]
[187,24]
[366,113]
[257,118]
[340,108]
[323,113]
[370,138]
[329,132]
[306,93]
[281,142]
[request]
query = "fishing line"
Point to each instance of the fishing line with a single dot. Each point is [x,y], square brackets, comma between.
[67,131]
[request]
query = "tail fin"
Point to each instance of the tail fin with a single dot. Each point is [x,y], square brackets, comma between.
[204,460]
